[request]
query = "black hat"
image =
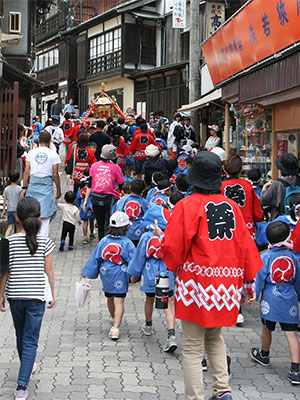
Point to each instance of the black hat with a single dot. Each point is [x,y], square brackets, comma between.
[205,171]
[288,164]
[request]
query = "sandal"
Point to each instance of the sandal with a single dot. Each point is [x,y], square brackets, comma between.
[85,241]
[114,333]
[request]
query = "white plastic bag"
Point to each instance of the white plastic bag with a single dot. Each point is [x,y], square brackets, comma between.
[82,290]
[48,292]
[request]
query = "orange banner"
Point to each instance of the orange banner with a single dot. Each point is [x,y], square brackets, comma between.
[259,30]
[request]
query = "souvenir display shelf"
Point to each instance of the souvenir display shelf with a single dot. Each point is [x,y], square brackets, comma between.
[253,138]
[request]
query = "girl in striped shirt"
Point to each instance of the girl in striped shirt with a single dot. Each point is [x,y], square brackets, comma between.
[30,260]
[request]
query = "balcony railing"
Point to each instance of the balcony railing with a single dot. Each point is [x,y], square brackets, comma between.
[104,63]
[48,28]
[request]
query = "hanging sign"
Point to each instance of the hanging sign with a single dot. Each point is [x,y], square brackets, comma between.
[215,17]
[259,30]
[179,14]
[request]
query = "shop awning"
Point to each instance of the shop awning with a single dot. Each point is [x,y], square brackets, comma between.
[202,102]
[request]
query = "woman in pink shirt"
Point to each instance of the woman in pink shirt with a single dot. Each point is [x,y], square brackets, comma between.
[104,176]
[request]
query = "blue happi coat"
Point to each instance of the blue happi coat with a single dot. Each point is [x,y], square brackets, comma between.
[110,259]
[278,283]
[262,228]
[158,212]
[159,198]
[151,193]
[135,207]
[88,214]
[146,263]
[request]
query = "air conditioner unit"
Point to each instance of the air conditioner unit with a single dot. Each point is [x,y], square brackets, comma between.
[14,24]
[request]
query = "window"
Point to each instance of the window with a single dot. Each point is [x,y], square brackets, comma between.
[47,59]
[14,22]
[106,43]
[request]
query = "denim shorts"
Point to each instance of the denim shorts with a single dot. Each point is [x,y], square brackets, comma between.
[139,166]
[284,326]
[11,220]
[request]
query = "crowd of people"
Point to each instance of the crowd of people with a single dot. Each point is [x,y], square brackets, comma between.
[164,206]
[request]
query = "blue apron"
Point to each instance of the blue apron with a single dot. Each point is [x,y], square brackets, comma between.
[42,190]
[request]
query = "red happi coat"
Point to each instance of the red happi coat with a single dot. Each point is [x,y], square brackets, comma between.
[122,151]
[207,242]
[242,192]
[84,158]
[139,143]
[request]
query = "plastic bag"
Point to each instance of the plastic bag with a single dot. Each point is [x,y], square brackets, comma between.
[82,290]
[70,184]
[48,292]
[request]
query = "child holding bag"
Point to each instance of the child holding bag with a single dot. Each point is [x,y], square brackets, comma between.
[110,260]
[30,258]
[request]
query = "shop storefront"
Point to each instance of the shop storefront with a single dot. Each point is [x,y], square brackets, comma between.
[251,138]
[260,84]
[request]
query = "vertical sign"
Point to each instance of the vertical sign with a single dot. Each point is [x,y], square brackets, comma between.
[215,17]
[179,14]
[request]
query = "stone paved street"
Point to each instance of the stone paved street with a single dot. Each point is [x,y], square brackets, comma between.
[77,360]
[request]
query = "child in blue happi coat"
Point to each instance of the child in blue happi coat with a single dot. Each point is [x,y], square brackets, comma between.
[182,185]
[110,259]
[278,284]
[164,189]
[87,217]
[161,212]
[135,207]
[291,219]
[146,263]
[156,177]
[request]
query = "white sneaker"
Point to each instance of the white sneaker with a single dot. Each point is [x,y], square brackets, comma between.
[240,319]
[170,345]
[147,330]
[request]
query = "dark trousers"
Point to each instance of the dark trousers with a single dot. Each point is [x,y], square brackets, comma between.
[102,214]
[76,187]
[27,316]
[68,229]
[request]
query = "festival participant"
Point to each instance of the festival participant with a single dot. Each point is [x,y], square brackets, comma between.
[278,283]
[118,141]
[187,151]
[67,127]
[110,259]
[203,244]
[156,177]
[164,189]
[37,128]
[81,157]
[154,163]
[40,172]
[146,263]
[30,266]
[104,176]
[138,146]
[135,207]
[100,138]
[273,192]
[241,191]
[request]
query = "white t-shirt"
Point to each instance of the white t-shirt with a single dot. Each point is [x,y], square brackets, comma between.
[41,161]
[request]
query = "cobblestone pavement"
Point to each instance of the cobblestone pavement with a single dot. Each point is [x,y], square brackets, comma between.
[77,360]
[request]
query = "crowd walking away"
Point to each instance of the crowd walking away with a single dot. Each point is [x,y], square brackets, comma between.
[163,212]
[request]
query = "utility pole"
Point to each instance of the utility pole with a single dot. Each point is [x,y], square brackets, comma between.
[194,74]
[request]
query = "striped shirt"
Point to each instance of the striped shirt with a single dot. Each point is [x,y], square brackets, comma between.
[26,279]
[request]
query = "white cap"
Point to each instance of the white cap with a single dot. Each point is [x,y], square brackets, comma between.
[119,219]
[152,150]
[219,152]
[187,149]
